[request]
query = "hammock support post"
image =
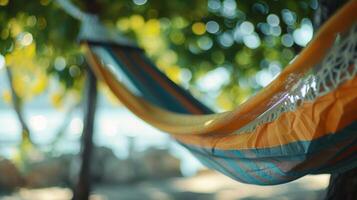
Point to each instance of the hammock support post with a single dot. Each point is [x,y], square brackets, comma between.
[83,185]
[343,186]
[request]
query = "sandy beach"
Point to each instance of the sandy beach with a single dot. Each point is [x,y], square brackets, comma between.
[207,185]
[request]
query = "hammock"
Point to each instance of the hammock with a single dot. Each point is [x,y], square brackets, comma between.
[304,122]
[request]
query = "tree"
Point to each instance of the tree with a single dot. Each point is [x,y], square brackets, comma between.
[236,33]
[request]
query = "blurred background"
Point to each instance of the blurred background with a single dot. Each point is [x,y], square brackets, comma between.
[222,51]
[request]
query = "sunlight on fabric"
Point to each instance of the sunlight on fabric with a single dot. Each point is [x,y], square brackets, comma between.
[208,122]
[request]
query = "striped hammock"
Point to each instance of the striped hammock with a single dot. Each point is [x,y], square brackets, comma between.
[304,122]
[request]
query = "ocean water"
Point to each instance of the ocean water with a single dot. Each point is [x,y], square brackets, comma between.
[114,128]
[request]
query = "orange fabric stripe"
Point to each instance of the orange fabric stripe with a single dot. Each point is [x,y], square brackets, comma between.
[326,115]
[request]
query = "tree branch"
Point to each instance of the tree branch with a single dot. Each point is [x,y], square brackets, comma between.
[17,105]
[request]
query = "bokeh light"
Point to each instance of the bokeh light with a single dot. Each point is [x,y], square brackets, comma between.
[214,80]
[2,61]
[198,28]
[60,63]
[304,34]
[25,38]
[273,20]
[139,2]
[246,28]
[214,5]
[4,2]
[287,40]
[226,39]
[252,41]
[205,43]
[212,27]
[288,17]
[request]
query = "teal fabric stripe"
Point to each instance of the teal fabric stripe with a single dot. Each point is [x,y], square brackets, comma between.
[136,82]
[165,99]
[185,93]
[256,164]
[282,168]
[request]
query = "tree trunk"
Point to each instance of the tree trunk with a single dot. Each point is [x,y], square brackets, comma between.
[82,189]
[342,185]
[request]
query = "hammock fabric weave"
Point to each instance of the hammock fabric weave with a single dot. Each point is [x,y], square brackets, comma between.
[304,122]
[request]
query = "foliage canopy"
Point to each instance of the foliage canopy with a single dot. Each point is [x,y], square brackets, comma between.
[222,50]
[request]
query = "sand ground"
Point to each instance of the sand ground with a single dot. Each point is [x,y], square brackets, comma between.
[205,186]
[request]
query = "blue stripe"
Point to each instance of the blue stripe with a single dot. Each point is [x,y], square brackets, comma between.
[187,95]
[139,85]
[166,99]
[261,165]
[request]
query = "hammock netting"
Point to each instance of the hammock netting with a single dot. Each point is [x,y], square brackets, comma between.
[304,122]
